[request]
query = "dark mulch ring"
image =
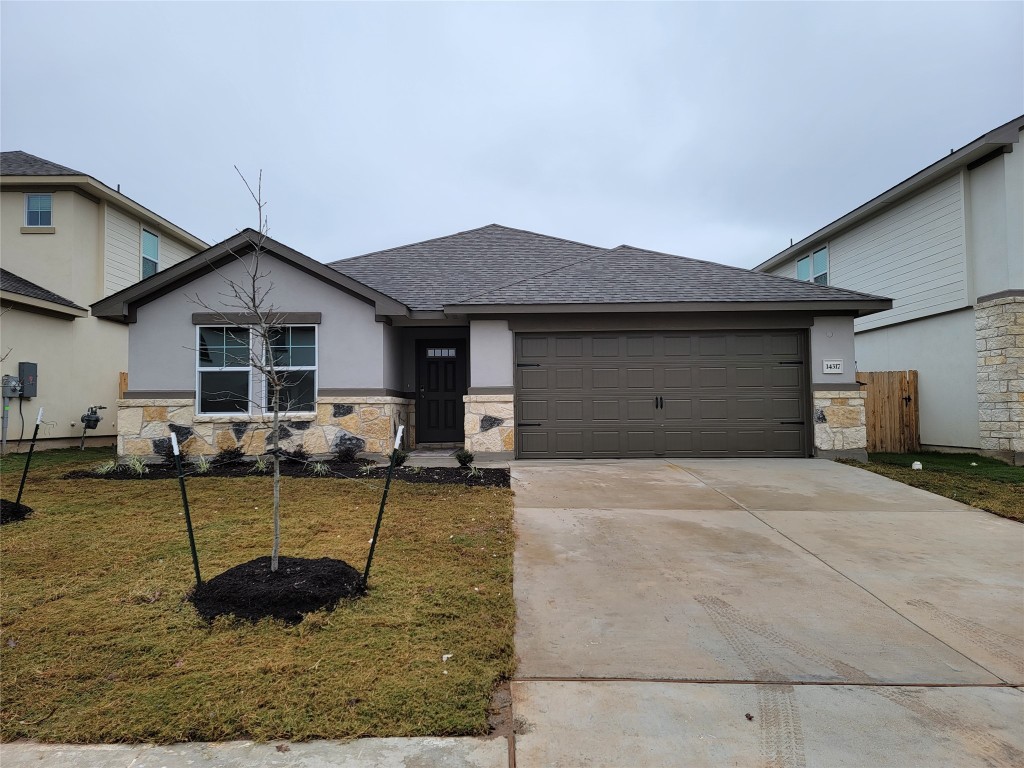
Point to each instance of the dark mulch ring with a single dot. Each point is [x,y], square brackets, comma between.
[495,478]
[299,586]
[12,511]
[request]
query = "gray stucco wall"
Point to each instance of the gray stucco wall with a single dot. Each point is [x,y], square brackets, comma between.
[942,350]
[161,344]
[491,354]
[832,339]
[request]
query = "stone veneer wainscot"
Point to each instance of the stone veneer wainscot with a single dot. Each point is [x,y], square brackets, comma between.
[367,424]
[999,330]
[489,423]
[840,426]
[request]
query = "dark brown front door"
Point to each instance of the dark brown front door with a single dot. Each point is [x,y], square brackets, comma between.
[440,386]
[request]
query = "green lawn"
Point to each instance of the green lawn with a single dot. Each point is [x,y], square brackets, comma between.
[98,644]
[966,477]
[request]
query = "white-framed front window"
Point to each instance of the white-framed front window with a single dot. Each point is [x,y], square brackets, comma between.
[223,369]
[150,253]
[39,210]
[225,375]
[293,351]
[814,267]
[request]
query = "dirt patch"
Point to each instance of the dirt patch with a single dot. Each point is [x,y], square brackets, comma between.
[12,511]
[476,478]
[299,586]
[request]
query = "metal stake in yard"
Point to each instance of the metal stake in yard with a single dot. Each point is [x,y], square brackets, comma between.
[184,501]
[383,500]
[28,459]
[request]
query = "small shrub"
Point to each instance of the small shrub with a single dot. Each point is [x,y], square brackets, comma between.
[400,457]
[464,457]
[367,468]
[260,466]
[201,465]
[474,472]
[319,469]
[299,454]
[346,454]
[136,466]
[106,468]
[414,470]
[229,456]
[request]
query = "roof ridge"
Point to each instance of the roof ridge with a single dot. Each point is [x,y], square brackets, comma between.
[536,274]
[350,259]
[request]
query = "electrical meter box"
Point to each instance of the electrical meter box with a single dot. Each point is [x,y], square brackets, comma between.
[27,374]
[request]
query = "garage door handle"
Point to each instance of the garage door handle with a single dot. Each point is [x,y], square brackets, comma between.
[790,422]
[791,362]
[527,365]
[528,424]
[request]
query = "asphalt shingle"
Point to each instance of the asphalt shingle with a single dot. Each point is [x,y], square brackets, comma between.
[11,283]
[18,163]
[430,274]
[634,275]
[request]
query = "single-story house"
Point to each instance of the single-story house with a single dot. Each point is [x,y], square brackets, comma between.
[508,342]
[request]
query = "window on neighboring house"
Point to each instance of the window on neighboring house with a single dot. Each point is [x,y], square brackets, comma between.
[293,351]
[225,372]
[814,268]
[39,210]
[150,253]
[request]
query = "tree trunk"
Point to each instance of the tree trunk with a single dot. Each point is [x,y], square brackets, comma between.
[277,483]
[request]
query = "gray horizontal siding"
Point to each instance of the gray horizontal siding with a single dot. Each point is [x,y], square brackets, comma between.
[913,253]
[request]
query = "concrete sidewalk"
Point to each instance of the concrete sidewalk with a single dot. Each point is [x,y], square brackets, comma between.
[741,612]
[380,753]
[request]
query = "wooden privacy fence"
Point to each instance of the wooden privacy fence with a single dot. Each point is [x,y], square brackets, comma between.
[891,411]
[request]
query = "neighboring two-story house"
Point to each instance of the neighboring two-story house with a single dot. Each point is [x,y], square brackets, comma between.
[947,245]
[66,241]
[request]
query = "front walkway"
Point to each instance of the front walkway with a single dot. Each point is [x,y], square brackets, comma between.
[782,613]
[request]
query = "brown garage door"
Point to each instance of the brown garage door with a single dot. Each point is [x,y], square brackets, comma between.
[666,393]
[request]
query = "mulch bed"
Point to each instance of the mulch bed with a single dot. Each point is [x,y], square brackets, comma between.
[12,511]
[299,586]
[495,478]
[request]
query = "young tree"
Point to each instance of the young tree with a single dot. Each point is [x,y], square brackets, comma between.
[249,296]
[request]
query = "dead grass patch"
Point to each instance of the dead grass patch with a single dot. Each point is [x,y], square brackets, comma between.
[98,643]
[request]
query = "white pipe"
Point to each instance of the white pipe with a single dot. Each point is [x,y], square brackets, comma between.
[398,437]
[39,418]
[174,443]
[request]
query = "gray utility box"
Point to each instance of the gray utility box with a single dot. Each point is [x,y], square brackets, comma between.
[27,374]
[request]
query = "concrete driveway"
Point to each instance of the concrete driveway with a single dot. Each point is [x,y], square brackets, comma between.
[774,613]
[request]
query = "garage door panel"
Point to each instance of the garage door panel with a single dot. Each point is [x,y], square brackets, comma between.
[662,394]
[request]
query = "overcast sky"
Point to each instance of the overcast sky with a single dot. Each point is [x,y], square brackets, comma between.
[712,130]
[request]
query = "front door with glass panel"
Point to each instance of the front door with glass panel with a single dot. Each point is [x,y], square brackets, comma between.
[440,387]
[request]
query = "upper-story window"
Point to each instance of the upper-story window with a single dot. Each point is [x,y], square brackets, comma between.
[814,267]
[39,210]
[150,253]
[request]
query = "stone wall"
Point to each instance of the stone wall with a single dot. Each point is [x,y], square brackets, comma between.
[999,329]
[840,426]
[490,423]
[367,424]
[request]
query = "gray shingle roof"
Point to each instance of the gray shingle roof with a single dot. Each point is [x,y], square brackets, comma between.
[20,163]
[11,283]
[430,274]
[634,275]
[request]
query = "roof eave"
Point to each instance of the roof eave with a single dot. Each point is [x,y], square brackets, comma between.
[999,139]
[33,304]
[99,189]
[120,306]
[853,307]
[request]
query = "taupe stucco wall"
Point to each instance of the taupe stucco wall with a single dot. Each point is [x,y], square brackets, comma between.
[942,350]
[491,354]
[351,342]
[832,339]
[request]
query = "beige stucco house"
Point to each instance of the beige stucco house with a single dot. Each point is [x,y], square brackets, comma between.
[66,241]
[947,245]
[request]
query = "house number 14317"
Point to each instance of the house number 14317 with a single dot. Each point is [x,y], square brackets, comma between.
[831,366]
